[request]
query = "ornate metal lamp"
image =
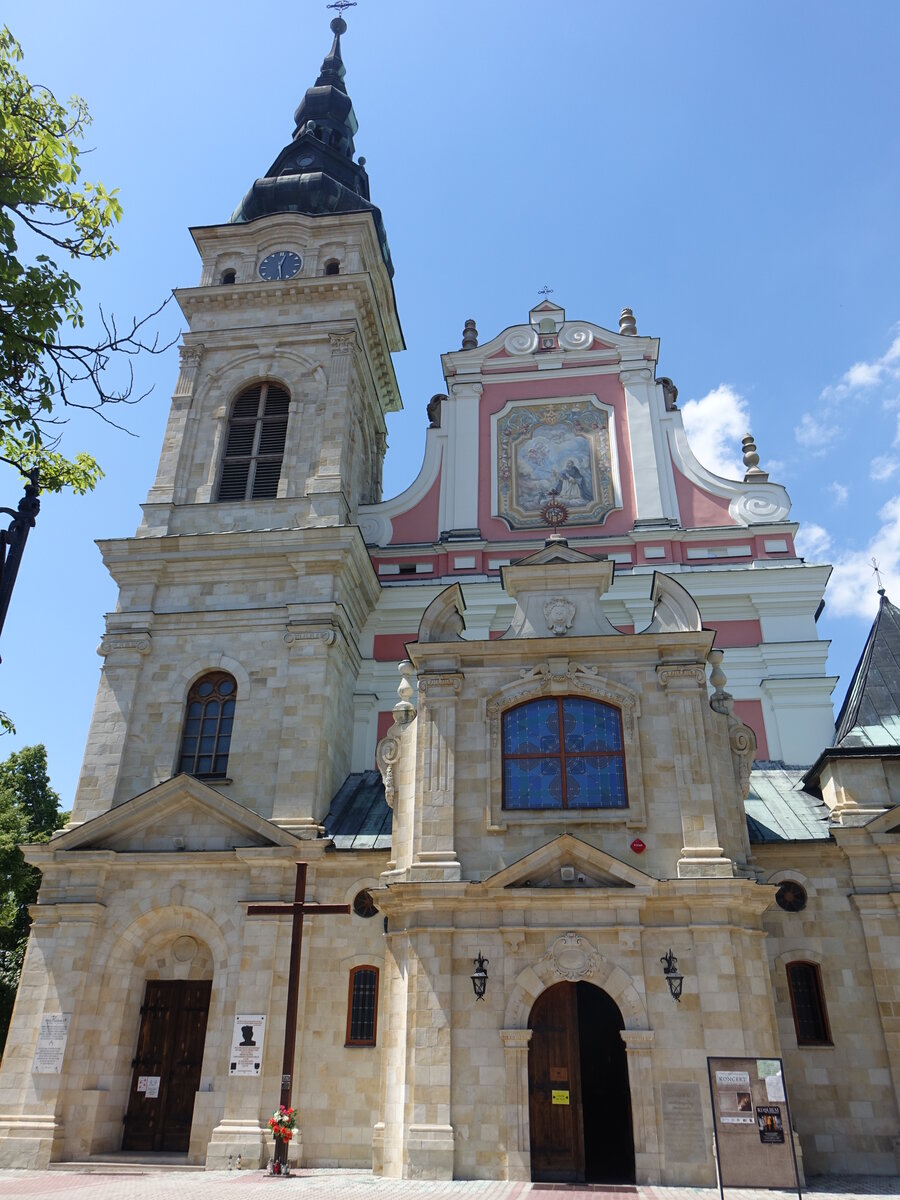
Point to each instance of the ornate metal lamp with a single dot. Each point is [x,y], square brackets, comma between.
[480,976]
[674,978]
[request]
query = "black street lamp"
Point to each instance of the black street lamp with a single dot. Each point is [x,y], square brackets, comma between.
[480,976]
[674,978]
[12,540]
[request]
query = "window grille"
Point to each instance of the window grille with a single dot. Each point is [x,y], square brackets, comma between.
[362,1006]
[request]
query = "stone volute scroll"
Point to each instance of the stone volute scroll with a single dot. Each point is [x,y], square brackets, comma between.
[443,619]
[741,737]
[674,608]
[387,752]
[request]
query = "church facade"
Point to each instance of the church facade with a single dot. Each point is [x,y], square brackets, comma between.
[598,828]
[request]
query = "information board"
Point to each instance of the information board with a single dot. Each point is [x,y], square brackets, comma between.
[247,1045]
[754,1146]
[51,1044]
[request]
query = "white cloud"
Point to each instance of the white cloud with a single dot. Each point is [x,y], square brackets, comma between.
[853,587]
[883,467]
[812,541]
[815,432]
[715,425]
[839,492]
[862,375]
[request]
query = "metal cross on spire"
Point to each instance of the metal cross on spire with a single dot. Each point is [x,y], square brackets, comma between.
[877,573]
[545,291]
[340,5]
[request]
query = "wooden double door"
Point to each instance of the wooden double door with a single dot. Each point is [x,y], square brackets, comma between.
[579,1097]
[167,1065]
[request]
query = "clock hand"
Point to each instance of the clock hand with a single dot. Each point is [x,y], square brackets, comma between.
[281,259]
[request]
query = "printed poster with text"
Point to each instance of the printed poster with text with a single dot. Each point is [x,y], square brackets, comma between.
[752,1121]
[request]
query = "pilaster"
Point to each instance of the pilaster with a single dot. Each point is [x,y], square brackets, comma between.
[458,513]
[654,488]
[434,853]
[647,1149]
[518,1129]
[701,854]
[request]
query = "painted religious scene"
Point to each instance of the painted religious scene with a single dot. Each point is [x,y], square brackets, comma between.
[555,451]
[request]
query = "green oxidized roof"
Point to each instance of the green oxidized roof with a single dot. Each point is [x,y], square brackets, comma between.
[870,714]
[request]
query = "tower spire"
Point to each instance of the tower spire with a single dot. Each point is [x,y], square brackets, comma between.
[316,173]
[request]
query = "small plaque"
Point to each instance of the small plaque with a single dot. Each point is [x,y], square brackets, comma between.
[285,1081]
[152,1088]
[559,1073]
[247,1045]
[559,1097]
[51,1045]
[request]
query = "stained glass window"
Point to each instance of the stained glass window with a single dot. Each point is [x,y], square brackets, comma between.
[208,722]
[563,752]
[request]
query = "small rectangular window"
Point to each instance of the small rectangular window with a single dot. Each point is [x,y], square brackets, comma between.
[362,1006]
[808,1004]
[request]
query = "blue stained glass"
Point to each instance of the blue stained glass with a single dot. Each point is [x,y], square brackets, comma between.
[533,783]
[532,728]
[597,781]
[590,725]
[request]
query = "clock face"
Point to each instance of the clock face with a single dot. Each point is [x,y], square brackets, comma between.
[283,264]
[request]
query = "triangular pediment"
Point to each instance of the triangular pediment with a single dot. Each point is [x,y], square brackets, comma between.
[181,814]
[568,862]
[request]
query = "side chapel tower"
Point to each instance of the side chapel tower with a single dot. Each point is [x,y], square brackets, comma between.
[565,792]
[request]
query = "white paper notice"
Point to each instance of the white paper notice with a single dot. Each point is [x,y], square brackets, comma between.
[247,1045]
[51,1045]
[152,1086]
[775,1087]
[142,1083]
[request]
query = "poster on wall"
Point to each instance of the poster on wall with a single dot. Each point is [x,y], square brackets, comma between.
[247,1045]
[51,1044]
[754,1147]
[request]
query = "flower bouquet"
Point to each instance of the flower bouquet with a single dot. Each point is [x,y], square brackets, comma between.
[282,1123]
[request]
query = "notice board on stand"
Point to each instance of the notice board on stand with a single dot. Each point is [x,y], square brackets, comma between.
[752,1120]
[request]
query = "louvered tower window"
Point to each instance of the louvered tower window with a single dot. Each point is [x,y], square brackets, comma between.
[255,445]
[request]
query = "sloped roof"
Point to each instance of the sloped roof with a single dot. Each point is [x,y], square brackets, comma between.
[359,817]
[870,715]
[780,810]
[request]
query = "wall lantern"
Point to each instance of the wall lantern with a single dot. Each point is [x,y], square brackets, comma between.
[673,978]
[480,976]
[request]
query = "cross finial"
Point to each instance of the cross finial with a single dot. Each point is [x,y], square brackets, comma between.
[877,573]
[545,291]
[340,5]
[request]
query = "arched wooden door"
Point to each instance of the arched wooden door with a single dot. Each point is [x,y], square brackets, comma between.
[579,1098]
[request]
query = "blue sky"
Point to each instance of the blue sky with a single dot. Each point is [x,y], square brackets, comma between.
[728,170]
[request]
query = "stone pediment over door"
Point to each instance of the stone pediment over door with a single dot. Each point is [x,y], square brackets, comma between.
[568,862]
[181,814]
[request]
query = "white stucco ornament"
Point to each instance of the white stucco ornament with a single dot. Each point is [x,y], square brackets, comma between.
[559,613]
[573,957]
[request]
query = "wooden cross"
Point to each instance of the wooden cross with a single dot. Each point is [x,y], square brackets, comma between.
[298,908]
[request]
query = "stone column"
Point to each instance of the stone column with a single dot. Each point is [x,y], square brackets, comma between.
[518,1128]
[434,855]
[56,968]
[124,652]
[647,1148]
[701,854]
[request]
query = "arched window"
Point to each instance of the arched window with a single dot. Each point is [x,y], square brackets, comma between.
[229,276]
[808,1004]
[362,1006]
[208,720]
[563,752]
[255,444]
[332,267]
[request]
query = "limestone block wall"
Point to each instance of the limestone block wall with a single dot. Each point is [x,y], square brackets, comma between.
[843,1096]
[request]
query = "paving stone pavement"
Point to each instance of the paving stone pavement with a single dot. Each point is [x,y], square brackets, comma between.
[146,1184]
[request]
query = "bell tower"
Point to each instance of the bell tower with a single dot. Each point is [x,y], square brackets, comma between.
[278,415]
[248,570]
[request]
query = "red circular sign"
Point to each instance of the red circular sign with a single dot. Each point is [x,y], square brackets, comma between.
[638,846]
